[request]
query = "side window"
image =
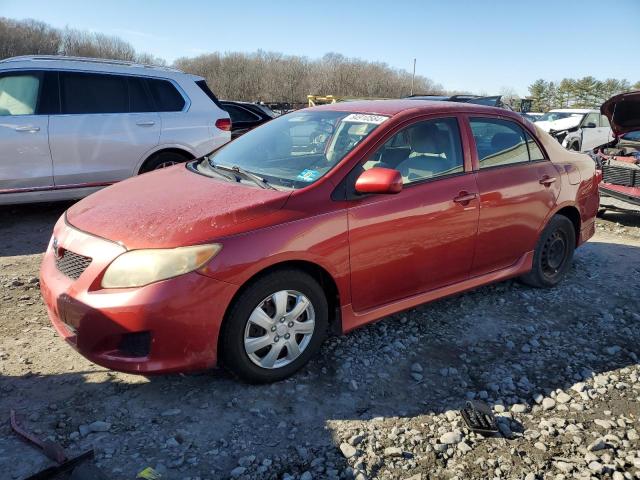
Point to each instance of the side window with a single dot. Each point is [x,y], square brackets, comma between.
[139,99]
[424,150]
[604,121]
[534,150]
[499,142]
[165,95]
[239,114]
[592,118]
[84,93]
[19,94]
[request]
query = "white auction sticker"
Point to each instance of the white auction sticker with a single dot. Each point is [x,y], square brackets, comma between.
[365,118]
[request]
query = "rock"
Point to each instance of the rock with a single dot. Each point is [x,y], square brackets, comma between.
[451,438]
[613,350]
[347,450]
[99,426]
[563,398]
[306,476]
[548,403]
[170,413]
[598,444]
[237,472]
[564,466]
[540,446]
[84,430]
[463,447]
[416,367]
[632,435]
[519,408]
[596,467]
[172,443]
[393,452]
[416,376]
[353,386]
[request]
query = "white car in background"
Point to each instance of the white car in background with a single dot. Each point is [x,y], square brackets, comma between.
[70,126]
[578,129]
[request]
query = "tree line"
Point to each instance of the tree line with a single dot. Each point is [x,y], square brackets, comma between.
[586,92]
[265,76]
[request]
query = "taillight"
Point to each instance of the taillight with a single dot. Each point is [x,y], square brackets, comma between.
[224,124]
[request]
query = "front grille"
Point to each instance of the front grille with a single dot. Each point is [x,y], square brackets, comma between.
[628,177]
[71,264]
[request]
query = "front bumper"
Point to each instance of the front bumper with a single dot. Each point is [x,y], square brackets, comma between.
[168,326]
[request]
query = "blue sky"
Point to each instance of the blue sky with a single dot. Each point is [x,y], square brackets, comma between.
[480,46]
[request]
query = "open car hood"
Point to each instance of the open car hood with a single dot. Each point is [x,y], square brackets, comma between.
[623,112]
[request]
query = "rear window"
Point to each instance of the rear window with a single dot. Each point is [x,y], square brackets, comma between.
[166,96]
[239,114]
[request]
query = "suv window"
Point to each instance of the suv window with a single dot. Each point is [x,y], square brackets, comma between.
[239,114]
[423,150]
[499,142]
[19,94]
[84,93]
[139,99]
[592,118]
[165,95]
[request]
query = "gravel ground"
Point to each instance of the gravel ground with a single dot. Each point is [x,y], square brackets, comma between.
[559,367]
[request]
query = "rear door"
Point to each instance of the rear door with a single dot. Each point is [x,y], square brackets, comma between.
[107,124]
[25,160]
[518,187]
[423,237]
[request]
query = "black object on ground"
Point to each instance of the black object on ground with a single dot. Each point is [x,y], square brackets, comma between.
[479,417]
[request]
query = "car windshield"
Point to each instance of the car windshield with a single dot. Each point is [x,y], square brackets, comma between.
[553,116]
[296,149]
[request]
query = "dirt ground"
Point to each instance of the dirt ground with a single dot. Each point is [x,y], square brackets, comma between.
[559,367]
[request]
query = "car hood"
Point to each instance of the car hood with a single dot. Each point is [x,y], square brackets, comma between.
[172,207]
[558,125]
[623,112]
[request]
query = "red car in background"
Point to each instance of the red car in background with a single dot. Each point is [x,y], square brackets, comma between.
[619,160]
[318,221]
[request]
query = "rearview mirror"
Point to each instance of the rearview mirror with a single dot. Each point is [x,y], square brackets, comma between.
[379,180]
[589,125]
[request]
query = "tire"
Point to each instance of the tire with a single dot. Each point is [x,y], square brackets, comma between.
[240,335]
[553,255]
[162,160]
[601,212]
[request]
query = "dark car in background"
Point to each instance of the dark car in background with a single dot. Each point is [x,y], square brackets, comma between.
[246,115]
[492,101]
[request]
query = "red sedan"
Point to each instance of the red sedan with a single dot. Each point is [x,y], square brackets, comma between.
[317,222]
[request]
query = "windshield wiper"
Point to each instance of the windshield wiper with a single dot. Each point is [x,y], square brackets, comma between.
[244,173]
[223,172]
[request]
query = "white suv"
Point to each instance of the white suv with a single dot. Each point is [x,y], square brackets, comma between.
[69,126]
[578,129]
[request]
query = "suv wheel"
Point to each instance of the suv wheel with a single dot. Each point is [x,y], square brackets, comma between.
[163,160]
[274,327]
[553,255]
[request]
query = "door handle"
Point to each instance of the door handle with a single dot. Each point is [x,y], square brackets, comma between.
[27,128]
[146,124]
[464,198]
[547,180]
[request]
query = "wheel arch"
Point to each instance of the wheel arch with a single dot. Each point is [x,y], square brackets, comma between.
[319,273]
[166,149]
[573,214]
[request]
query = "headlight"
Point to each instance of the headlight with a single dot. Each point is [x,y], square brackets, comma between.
[141,267]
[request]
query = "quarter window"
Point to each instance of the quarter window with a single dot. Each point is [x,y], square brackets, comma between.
[166,96]
[19,94]
[422,151]
[534,150]
[500,142]
[85,93]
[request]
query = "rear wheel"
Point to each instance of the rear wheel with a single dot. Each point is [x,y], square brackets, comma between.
[553,255]
[163,160]
[274,327]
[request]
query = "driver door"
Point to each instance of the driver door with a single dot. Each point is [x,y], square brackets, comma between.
[596,135]
[424,237]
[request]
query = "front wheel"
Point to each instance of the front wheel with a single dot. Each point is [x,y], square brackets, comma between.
[274,327]
[553,255]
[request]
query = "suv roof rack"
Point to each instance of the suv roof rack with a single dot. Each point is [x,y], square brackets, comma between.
[104,61]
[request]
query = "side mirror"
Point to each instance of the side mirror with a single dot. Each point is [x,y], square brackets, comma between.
[589,125]
[379,180]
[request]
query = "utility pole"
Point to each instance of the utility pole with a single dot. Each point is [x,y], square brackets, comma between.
[414,75]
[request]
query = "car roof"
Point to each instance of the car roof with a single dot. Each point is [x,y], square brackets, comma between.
[61,62]
[394,107]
